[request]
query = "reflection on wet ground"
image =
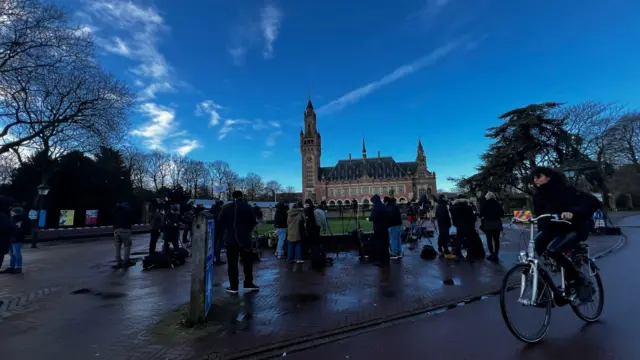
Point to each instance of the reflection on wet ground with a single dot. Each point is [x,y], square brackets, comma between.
[113,312]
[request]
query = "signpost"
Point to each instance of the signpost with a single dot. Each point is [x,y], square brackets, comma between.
[201,294]
[208,272]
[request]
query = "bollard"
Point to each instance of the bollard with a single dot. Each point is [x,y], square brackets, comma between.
[202,274]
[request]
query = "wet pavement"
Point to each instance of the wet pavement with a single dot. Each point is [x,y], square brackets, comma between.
[477,331]
[69,301]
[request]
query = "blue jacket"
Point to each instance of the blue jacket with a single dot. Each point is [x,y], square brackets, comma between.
[379,215]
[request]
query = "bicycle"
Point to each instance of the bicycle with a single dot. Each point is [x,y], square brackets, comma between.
[544,293]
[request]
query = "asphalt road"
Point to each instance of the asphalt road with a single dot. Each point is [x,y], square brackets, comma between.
[477,331]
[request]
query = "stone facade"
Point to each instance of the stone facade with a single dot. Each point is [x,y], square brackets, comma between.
[359,178]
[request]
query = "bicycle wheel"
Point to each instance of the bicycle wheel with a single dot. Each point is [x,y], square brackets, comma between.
[591,272]
[543,302]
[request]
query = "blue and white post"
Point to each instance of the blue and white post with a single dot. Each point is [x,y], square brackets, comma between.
[202,273]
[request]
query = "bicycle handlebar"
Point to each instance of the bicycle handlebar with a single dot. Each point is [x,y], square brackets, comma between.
[555,218]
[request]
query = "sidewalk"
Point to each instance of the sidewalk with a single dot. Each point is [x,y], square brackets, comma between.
[130,314]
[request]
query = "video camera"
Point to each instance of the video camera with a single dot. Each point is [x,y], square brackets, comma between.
[354,205]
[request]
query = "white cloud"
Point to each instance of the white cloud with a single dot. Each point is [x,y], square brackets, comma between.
[270,16]
[161,124]
[138,30]
[266,153]
[209,108]
[397,74]
[187,147]
[161,128]
[274,124]
[230,125]
[262,29]
[271,138]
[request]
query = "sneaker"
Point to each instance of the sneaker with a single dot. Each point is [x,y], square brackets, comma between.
[299,261]
[219,262]
[251,287]
[17,271]
[395,257]
[448,282]
[232,290]
[7,271]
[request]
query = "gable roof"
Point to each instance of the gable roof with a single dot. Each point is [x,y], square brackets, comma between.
[376,168]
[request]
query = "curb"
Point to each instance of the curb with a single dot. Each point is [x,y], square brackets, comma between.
[286,347]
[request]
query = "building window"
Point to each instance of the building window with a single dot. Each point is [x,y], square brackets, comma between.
[422,192]
[385,189]
[401,189]
[342,191]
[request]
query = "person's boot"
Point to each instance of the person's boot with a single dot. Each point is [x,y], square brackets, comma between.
[7,271]
[17,271]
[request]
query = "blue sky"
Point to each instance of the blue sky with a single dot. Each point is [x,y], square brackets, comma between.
[228,80]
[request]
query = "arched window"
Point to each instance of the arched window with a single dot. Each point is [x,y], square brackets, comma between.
[332,203]
[422,192]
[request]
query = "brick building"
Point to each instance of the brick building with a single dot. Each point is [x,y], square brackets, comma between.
[359,178]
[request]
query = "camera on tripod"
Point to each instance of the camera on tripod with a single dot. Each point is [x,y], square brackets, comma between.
[354,205]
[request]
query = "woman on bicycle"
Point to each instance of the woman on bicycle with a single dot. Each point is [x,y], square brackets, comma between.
[554,196]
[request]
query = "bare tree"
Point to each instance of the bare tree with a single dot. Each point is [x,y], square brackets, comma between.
[289,190]
[234,182]
[8,164]
[177,166]
[254,185]
[135,161]
[157,167]
[53,96]
[193,175]
[273,187]
[594,123]
[626,133]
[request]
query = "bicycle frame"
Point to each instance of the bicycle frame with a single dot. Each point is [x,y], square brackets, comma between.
[529,257]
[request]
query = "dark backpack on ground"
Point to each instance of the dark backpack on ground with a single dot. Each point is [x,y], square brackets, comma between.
[428,252]
[161,260]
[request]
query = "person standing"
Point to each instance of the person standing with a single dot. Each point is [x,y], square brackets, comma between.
[395,228]
[312,239]
[187,220]
[156,230]
[123,225]
[491,213]
[237,221]
[21,228]
[295,231]
[443,218]
[218,233]
[6,229]
[171,229]
[464,220]
[380,220]
[280,223]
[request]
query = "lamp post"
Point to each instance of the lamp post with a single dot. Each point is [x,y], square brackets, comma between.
[43,190]
[571,176]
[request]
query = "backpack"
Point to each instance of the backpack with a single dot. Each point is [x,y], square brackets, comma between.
[591,202]
[428,252]
[318,217]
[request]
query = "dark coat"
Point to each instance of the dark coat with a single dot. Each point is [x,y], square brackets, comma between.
[491,213]
[237,221]
[555,197]
[442,215]
[6,227]
[395,217]
[312,228]
[171,226]
[280,218]
[123,218]
[379,215]
[462,215]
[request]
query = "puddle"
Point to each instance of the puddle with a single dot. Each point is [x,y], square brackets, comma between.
[102,295]
[300,298]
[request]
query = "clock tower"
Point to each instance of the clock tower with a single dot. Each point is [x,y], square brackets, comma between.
[311,150]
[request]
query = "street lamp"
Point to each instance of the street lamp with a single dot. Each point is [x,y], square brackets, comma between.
[43,190]
[571,175]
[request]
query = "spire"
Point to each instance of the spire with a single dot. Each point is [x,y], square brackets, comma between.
[420,149]
[309,104]
[301,132]
[364,150]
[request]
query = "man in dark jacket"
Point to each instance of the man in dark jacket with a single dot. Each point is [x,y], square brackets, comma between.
[237,221]
[156,230]
[6,228]
[463,219]
[555,197]
[187,220]
[395,227]
[280,223]
[21,228]
[122,226]
[219,233]
[171,229]
[444,226]
[380,218]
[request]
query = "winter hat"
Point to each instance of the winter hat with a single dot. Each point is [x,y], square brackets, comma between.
[236,194]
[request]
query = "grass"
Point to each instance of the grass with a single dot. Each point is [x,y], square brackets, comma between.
[338,226]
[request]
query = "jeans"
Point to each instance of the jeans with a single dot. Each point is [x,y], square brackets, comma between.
[395,240]
[235,251]
[122,238]
[282,235]
[555,245]
[295,250]
[16,256]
